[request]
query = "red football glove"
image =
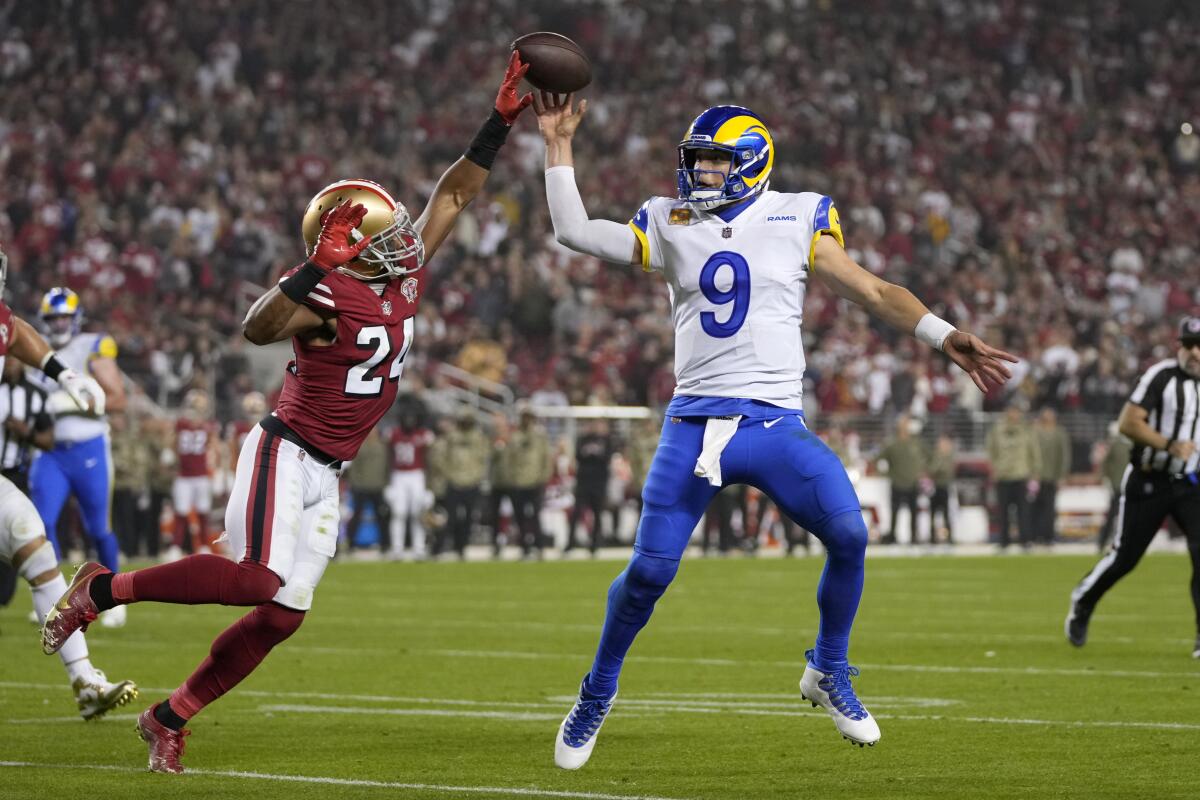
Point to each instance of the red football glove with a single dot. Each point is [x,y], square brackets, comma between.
[334,247]
[508,103]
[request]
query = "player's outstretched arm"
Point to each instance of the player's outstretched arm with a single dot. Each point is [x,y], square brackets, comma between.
[280,313]
[898,307]
[458,185]
[557,120]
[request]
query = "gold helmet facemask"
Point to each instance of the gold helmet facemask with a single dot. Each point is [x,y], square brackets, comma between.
[396,247]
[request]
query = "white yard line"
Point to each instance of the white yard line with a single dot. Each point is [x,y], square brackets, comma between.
[726,662]
[327,781]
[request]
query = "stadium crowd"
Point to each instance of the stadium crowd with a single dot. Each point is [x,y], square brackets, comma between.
[1031,181]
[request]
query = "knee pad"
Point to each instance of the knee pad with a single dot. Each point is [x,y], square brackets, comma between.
[845,536]
[647,577]
[39,562]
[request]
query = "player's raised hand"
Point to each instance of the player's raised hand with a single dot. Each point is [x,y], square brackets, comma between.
[510,104]
[981,361]
[334,247]
[557,116]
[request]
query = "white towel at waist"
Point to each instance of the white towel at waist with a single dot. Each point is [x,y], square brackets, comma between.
[717,433]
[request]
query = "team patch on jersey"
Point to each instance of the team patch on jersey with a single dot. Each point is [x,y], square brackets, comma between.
[680,216]
[409,289]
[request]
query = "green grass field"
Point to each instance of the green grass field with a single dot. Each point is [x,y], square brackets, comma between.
[450,680]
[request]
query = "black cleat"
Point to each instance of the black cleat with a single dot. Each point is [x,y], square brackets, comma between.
[1076,626]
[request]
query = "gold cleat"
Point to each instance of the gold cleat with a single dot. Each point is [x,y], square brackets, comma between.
[96,697]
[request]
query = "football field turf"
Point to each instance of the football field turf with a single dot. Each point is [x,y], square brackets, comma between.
[450,680]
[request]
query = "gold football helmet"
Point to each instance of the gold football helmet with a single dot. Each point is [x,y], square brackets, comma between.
[396,247]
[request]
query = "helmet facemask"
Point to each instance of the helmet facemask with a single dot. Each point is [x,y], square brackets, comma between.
[394,251]
[733,187]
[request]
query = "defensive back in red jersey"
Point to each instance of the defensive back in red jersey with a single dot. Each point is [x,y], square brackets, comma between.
[192,439]
[333,395]
[408,448]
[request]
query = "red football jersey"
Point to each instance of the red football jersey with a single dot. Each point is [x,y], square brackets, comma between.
[408,448]
[334,395]
[191,446]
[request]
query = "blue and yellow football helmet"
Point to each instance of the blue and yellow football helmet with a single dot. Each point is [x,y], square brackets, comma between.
[740,133]
[61,314]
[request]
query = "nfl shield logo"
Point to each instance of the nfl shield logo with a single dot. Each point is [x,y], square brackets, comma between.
[387,308]
[409,289]
[726,233]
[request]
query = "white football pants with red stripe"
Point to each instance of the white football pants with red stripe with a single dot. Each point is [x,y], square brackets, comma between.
[283,513]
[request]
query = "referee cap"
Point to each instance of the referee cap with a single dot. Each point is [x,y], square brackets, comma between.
[1189,329]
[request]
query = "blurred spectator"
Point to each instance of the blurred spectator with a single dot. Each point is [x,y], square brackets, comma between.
[131,477]
[368,477]
[719,517]
[1015,454]
[593,456]
[409,442]
[461,456]
[1054,445]
[529,467]
[904,457]
[941,470]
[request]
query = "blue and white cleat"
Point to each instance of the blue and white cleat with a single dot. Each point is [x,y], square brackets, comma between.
[577,734]
[833,692]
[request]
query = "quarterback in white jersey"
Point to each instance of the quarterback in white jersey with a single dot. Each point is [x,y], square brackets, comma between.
[737,259]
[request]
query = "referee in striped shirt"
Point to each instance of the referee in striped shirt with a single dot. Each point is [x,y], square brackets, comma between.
[1162,418]
[24,423]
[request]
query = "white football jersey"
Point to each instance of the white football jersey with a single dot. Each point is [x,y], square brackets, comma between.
[77,354]
[737,291]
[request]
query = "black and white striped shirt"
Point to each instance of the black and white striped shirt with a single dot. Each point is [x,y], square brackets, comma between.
[27,403]
[1173,399]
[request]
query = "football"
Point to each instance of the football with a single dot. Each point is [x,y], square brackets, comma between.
[556,64]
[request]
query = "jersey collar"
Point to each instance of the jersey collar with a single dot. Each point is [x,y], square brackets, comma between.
[730,212]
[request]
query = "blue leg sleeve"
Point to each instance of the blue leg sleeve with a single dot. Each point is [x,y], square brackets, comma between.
[48,488]
[631,599]
[90,481]
[840,589]
[673,499]
[807,480]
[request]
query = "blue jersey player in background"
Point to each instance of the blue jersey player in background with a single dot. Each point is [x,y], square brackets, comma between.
[80,463]
[736,258]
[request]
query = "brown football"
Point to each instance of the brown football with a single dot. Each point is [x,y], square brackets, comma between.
[556,64]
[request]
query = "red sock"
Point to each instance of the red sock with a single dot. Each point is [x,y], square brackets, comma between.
[235,653]
[198,579]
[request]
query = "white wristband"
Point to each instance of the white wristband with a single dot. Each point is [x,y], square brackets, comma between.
[933,330]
